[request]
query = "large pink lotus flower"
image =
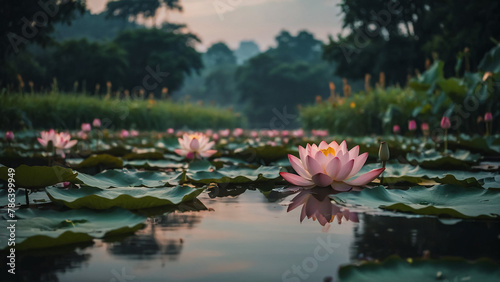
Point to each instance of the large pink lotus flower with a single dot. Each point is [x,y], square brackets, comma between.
[195,145]
[61,141]
[329,165]
[237,132]
[316,204]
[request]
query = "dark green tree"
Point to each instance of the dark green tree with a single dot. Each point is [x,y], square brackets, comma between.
[158,58]
[219,55]
[276,81]
[131,9]
[77,61]
[398,36]
[25,22]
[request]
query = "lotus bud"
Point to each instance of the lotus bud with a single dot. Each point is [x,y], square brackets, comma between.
[488,116]
[9,136]
[412,125]
[445,122]
[96,122]
[396,129]
[383,152]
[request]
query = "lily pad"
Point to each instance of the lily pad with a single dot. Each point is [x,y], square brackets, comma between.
[38,176]
[127,178]
[103,160]
[460,160]
[48,228]
[397,173]
[235,175]
[440,200]
[153,164]
[416,270]
[126,197]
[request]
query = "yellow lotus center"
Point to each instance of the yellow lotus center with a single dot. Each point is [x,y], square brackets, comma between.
[194,136]
[328,150]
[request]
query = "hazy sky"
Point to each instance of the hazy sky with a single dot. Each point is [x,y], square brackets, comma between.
[260,20]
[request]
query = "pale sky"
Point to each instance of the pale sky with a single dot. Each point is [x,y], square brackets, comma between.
[232,21]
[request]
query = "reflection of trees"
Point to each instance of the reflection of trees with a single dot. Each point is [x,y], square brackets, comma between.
[381,236]
[154,240]
[43,265]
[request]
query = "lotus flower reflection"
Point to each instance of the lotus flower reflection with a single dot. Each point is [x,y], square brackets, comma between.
[329,165]
[316,204]
[195,146]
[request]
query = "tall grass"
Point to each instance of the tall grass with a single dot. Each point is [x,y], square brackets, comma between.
[364,113]
[68,111]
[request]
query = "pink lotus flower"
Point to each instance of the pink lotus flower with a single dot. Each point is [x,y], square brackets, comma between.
[316,204]
[320,133]
[445,122]
[254,134]
[488,116]
[224,133]
[237,132]
[329,165]
[9,136]
[170,131]
[195,145]
[285,133]
[412,125]
[424,126]
[134,133]
[82,135]
[396,129]
[299,133]
[60,141]
[86,127]
[215,136]
[96,122]
[124,133]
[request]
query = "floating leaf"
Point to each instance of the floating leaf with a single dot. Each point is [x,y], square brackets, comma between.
[105,161]
[37,228]
[461,160]
[155,164]
[127,178]
[448,200]
[235,175]
[447,269]
[34,197]
[144,156]
[128,198]
[397,173]
[38,176]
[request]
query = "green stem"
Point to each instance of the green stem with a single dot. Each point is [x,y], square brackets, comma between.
[445,141]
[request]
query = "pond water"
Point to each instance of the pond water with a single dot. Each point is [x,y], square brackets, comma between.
[251,237]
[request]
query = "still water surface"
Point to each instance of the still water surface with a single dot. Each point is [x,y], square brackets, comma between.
[251,238]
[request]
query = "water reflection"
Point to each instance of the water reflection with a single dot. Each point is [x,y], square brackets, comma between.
[44,264]
[378,237]
[316,204]
[154,240]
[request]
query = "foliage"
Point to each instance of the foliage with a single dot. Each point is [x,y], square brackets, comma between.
[68,111]
[398,37]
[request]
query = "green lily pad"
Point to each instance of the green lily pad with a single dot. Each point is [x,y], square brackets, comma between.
[460,160]
[34,197]
[200,165]
[37,228]
[127,178]
[235,175]
[263,154]
[153,164]
[397,173]
[38,176]
[416,270]
[441,200]
[144,156]
[103,160]
[126,197]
